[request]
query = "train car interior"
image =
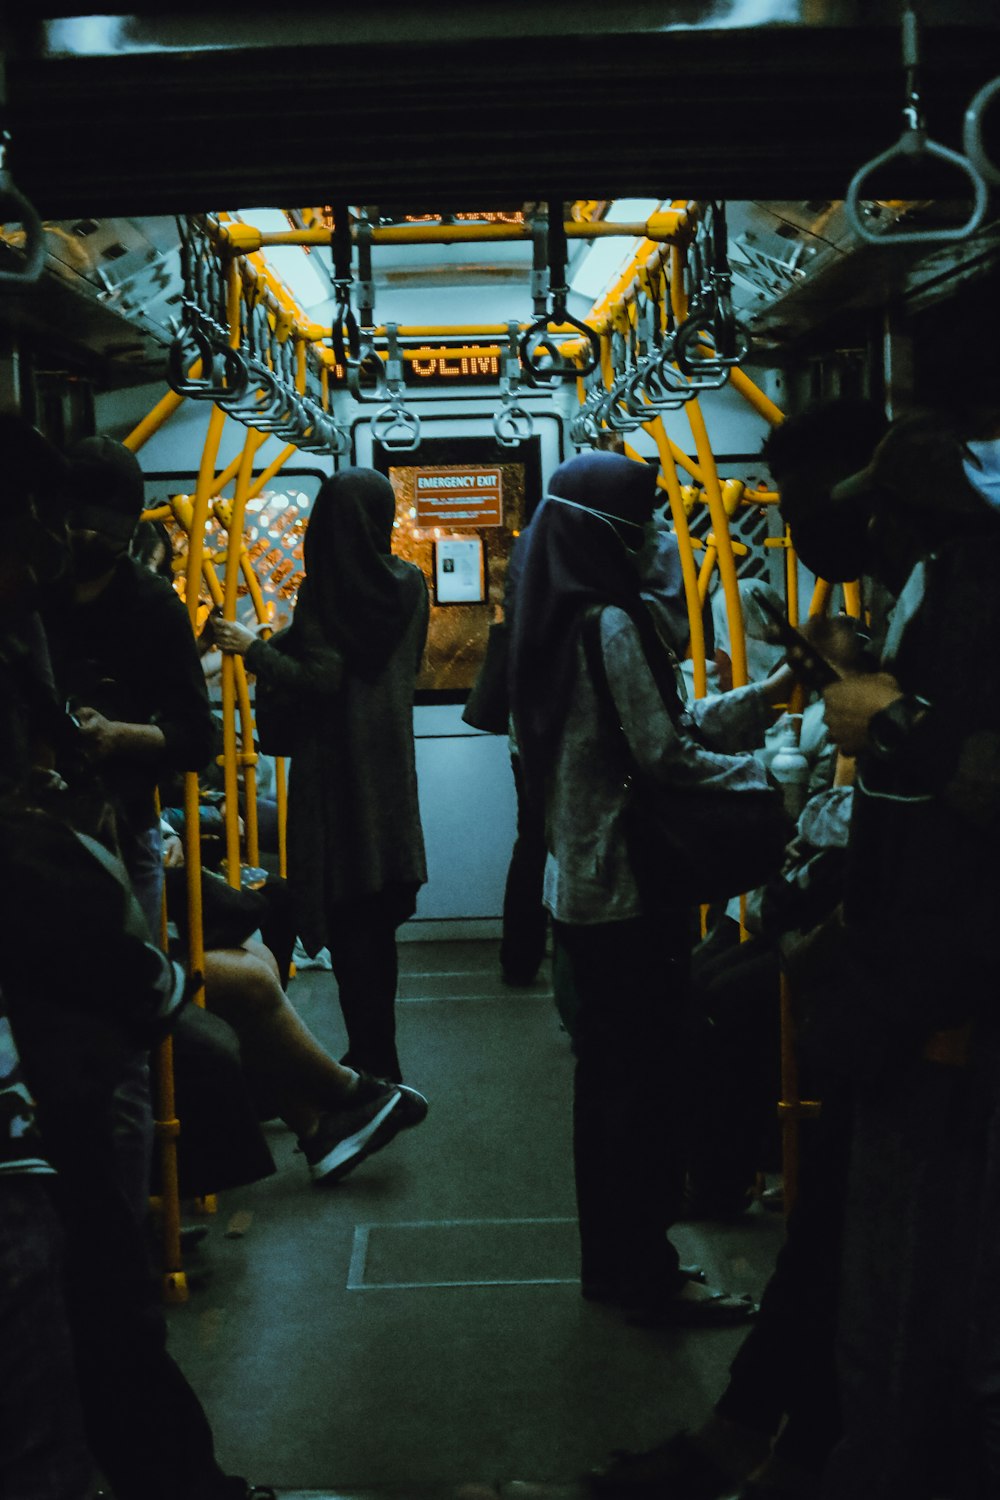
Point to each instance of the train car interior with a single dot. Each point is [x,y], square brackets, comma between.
[259,246]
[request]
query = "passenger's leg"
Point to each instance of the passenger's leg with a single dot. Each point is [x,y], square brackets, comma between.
[628,1158]
[142,853]
[362,943]
[43,1451]
[733,1078]
[284,1062]
[144,1423]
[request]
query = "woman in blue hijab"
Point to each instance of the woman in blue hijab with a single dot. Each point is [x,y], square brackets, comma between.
[628,960]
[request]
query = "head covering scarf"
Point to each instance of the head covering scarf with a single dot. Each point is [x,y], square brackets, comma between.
[576,555]
[360,595]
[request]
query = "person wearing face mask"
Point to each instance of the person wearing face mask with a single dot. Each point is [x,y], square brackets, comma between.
[126,666]
[124,657]
[628,961]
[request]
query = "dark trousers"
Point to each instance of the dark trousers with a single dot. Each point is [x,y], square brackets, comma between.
[786,1367]
[43,1452]
[734,1071]
[144,1423]
[630,980]
[919,1340]
[361,937]
[525,920]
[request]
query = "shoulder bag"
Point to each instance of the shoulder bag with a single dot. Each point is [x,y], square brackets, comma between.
[488,704]
[698,842]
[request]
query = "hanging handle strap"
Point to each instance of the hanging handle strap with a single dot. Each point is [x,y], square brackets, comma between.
[913,144]
[16,209]
[972,132]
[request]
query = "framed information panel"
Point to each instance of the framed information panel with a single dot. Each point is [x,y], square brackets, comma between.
[459,570]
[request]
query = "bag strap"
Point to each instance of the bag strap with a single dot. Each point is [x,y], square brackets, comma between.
[657,659]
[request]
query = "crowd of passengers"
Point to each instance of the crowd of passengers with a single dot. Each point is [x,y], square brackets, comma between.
[872,1366]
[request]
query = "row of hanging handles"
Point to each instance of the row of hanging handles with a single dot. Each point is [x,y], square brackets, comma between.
[655,365]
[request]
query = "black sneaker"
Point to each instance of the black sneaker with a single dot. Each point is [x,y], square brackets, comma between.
[378,1111]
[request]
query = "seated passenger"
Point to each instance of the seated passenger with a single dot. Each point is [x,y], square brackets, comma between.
[339,1116]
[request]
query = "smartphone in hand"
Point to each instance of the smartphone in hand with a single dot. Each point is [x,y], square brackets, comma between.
[809,664]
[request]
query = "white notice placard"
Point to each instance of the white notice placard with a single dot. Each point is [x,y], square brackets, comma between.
[459,576]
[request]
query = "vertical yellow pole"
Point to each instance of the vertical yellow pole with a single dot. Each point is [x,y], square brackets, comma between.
[689,568]
[154,420]
[192,827]
[723,542]
[792,580]
[852,598]
[235,679]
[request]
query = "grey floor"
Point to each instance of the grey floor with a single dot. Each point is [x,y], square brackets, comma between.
[419,1325]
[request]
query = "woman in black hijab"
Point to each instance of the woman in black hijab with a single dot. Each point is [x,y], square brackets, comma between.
[351,656]
[628,961]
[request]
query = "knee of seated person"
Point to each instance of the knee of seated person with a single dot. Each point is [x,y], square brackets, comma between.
[236,979]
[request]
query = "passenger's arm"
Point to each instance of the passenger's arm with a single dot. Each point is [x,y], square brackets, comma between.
[318,672]
[664,750]
[179,736]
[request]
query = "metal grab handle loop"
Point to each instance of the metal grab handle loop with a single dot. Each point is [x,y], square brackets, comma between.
[913,143]
[16,208]
[513,425]
[537,339]
[396,428]
[701,370]
[972,132]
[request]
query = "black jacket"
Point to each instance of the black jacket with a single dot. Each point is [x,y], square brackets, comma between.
[131,655]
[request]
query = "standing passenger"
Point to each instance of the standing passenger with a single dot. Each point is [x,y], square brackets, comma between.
[629,963]
[351,657]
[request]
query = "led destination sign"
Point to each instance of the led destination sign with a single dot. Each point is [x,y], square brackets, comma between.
[461,498]
[468,364]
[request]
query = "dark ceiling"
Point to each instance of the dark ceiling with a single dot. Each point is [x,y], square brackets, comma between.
[446,121]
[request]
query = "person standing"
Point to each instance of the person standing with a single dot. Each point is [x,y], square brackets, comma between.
[628,956]
[348,663]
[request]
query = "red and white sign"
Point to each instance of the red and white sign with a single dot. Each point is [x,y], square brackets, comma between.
[463,498]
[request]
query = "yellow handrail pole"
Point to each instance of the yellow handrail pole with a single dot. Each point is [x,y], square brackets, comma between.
[723,542]
[705,572]
[752,393]
[192,824]
[792,580]
[229,473]
[234,684]
[183,513]
[272,469]
[232,666]
[689,568]
[281,799]
[852,598]
[154,419]
[822,594]
[661,227]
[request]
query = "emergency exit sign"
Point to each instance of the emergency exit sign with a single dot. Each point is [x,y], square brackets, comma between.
[461,498]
